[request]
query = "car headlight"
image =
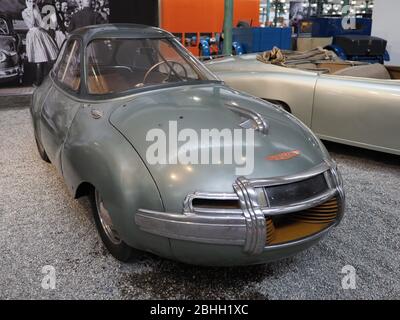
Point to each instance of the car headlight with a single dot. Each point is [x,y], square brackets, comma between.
[3,57]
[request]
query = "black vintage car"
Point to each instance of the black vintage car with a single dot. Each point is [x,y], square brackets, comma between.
[10,61]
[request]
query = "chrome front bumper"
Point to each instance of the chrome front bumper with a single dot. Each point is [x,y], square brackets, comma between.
[244,227]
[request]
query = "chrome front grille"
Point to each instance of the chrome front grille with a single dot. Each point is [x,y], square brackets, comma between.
[275,210]
[299,209]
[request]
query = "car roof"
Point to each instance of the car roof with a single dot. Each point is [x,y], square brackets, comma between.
[119,30]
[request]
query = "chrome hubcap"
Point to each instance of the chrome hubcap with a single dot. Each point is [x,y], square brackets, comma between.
[106,222]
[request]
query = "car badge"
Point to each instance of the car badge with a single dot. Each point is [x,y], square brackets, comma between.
[284,155]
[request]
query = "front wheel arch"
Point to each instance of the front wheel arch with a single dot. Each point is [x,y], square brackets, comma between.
[282,104]
[121,251]
[84,189]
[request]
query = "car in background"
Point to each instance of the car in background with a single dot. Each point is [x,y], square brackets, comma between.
[10,62]
[347,102]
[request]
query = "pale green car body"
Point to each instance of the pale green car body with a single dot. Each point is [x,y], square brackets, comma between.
[101,143]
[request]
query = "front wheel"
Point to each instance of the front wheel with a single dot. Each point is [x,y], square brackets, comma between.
[109,235]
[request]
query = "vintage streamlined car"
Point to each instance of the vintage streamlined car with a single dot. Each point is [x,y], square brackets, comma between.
[111,85]
[341,101]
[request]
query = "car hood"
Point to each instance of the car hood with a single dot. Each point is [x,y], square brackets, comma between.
[205,107]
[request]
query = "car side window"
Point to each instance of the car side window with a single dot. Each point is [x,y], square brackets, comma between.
[69,69]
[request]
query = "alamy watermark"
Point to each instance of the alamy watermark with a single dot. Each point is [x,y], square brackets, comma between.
[49,279]
[211,146]
[349,19]
[349,280]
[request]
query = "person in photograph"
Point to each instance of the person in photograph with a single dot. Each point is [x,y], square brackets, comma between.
[57,5]
[64,16]
[60,17]
[60,33]
[64,7]
[85,17]
[102,9]
[79,6]
[40,47]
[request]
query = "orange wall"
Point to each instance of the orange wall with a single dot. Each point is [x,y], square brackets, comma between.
[204,15]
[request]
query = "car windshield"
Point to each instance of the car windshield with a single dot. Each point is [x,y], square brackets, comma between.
[118,65]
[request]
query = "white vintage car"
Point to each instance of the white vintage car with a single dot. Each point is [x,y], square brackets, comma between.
[341,101]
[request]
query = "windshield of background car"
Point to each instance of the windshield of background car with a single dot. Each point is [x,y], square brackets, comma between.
[118,65]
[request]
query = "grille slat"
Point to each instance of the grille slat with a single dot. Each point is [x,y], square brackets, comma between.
[270,229]
[291,227]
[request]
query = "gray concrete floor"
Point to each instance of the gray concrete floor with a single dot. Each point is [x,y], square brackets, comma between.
[40,224]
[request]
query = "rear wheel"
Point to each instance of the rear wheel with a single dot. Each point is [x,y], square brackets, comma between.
[109,235]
